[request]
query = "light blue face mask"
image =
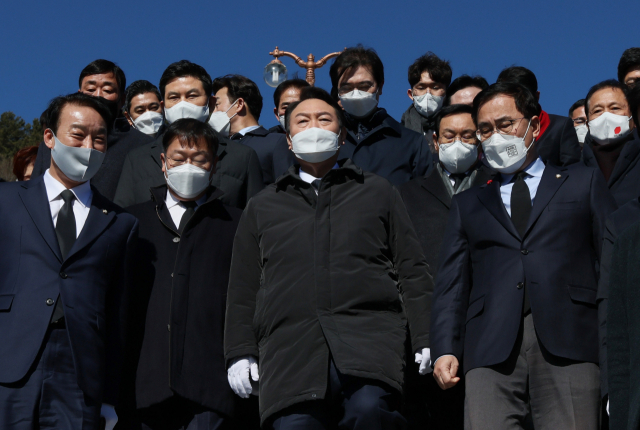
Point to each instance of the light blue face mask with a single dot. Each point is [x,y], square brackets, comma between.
[77,164]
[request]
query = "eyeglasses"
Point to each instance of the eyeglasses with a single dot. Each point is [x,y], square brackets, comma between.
[504,126]
[197,163]
[347,88]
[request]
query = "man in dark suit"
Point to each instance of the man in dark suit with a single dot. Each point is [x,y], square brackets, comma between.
[558,142]
[428,200]
[238,104]
[62,288]
[611,144]
[177,312]
[515,296]
[186,89]
[105,80]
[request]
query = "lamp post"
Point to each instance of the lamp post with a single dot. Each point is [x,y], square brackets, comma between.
[275,72]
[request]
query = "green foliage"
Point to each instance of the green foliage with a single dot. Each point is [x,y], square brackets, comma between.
[16,134]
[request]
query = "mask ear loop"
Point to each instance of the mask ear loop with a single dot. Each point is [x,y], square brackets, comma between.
[230,109]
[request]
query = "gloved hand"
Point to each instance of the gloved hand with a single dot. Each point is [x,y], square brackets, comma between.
[238,375]
[423,358]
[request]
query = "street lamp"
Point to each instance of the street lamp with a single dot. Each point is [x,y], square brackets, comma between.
[275,72]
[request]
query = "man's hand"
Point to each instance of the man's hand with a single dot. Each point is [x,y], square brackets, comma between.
[445,371]
[238,375]
[423,358]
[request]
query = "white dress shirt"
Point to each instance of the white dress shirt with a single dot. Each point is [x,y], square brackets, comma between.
[309,178]
[81,204]
[532,179]
[177,208]
[248,129]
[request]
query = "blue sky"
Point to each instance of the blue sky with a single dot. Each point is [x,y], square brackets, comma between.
[569,45]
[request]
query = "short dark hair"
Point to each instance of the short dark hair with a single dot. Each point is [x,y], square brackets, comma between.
[448,111]
[309,93]
[352,58]
[100,67]
[189,132]
[240,87]
[609,83]
[22,159]
[79,99]
[44,119]
[284,86]
[462,82]
[576,105]
[183,68]
[439,70]
[519,75]
[522,96]
[139,87]
[633,97]
[630,59]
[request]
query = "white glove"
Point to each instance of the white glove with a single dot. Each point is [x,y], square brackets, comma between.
[238,375]
[424,360]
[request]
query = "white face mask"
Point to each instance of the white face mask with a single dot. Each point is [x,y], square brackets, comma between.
[506,153]
[187,181]
[77,164]
[457,157]
[220,122]
[609,128]
[315,145]
[149,122]
[281,120]
[359,103]
[427,104]
[582,131]
[186,110]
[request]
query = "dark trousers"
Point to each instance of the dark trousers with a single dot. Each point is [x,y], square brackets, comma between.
[175,413]
[553,392]
[48,397]
[351,403]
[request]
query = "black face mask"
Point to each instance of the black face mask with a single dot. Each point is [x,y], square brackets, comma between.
[111,106]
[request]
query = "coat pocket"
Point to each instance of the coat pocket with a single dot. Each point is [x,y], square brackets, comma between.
[582,294]
[5,302]
[475,308]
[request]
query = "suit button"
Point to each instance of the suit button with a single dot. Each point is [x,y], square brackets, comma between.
[63,275]
[50,302]
[524,251]
[520,285]
[176,239]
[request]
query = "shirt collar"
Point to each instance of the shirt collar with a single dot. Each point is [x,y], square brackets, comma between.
[535,169]
[248,129]
[309,178]
[172,201]
[54,188]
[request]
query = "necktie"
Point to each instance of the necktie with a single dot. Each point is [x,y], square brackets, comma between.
[191,209]
[66,224]
[520,203]
[316,184]
[458,178]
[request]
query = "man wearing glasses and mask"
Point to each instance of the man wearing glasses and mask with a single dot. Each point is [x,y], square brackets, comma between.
[375,142]
[515,296]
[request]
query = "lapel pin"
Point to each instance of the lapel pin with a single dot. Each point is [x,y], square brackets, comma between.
[104,211]
[558,176]
[489,181]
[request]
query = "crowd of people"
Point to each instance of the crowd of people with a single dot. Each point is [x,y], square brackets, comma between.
[473,266]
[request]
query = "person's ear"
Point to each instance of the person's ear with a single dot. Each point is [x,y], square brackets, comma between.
[380,91]
[535,127]
[128,117]
[211,103]
[410,94]
[436,145]
[343,135]
[49,139]
[240,104]
[289,144]
[163,162]
[214,163]
[275,112]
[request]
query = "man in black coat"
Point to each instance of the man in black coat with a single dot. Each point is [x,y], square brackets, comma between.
[623,337]
[175,376]
[515,297]
[186,89]
[326,273]
[617,155]
[428,200]
[375,142]
[558,141]
[106,80]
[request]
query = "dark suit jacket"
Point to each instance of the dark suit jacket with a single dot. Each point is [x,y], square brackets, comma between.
[91,282]
[484,264]
[122,139]
[181,279]
[265,144]
[238,174]
[624,331]
[559,143]
[617,222]
[624,182]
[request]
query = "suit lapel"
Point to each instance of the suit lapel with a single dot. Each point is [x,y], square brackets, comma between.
[628,154]
[156,150]
[491,199]
[34,198]
[551,180]
[433,184]
[97,221]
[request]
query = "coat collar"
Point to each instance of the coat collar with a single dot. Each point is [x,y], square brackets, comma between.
[432,182]
[345,167]
[379,120]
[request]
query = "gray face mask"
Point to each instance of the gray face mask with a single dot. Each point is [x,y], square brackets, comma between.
[77,164]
